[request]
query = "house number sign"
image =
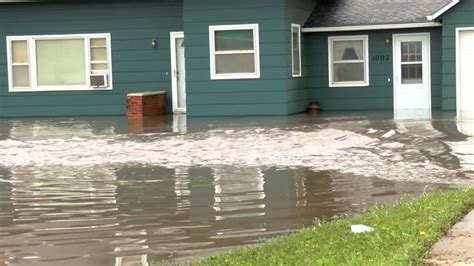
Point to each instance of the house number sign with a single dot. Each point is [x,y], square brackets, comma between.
[381,58]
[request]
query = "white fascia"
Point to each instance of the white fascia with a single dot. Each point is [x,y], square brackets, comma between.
[442,10]
[374,27]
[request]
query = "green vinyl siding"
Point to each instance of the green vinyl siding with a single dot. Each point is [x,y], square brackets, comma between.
[275,92]
[299,91]
[459,16]
[379,94]
[264,96]
[136,65]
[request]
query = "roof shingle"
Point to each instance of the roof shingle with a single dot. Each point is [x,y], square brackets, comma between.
[337,13]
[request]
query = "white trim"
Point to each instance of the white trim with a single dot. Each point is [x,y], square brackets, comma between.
[365,42]
[443,10]
[300,74]
[10,63]
[31,45]
[255,51]
[458,68]
[395,64]
[174,68]
[374,27]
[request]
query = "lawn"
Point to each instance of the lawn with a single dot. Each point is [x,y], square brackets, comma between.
[403,235]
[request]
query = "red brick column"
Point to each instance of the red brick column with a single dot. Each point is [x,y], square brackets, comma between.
[145,104]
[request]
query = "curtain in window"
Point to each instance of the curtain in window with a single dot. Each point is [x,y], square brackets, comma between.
[348,50]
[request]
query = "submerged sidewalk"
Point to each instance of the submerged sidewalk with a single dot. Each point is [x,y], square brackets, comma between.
[457,247]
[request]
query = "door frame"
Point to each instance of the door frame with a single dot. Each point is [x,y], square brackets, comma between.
[458,67]
[174,81]
[396,64]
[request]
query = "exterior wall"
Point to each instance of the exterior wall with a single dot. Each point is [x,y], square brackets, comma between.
[379,94]
[136,66]
[265,96]
[459,16]
[299,93]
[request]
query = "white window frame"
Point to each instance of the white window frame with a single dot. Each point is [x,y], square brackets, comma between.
[298,27]
[31,46]
[255,51]
[365,41]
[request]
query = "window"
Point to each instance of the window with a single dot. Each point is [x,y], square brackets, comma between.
[234,52]
[59,62]
[348,61]
[296,50]
[412,62]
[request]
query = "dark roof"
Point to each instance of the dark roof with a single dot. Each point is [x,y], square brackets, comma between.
[336,13]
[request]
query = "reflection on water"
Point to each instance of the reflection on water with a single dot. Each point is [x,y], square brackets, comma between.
[142,125]
[412,114]
[133,211]
[132,214]
[30,129]
[180,123]
[234,188]
[464,150]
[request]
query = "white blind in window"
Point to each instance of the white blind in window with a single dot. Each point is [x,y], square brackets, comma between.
[60,62]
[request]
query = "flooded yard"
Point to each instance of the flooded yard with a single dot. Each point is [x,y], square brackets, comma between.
[112,191]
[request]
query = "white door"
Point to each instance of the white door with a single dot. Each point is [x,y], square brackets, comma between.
[465,90]
[412,74]
[178,72]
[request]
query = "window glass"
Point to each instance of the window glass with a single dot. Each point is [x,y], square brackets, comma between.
[99,54]
[412,74]
[405,51]
[235,63]
[98,42]
[346,72]
[60,62]
[296,53]
[296,63]
[99,67]
[21,76]
[348,50]
[98,49]
[412,52]
[231,40]
[19,52]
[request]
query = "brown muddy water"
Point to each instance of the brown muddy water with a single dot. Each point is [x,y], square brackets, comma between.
[107,191]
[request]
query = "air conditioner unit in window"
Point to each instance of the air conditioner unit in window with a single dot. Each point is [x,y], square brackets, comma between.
[99,80]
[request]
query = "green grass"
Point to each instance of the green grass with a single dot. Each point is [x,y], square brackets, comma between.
[403,235]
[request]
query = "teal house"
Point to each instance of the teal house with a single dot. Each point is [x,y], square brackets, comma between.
[236,58]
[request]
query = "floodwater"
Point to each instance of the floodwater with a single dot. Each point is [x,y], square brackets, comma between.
[112,191]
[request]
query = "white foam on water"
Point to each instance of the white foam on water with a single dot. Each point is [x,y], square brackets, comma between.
[389,134]
[325,149]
